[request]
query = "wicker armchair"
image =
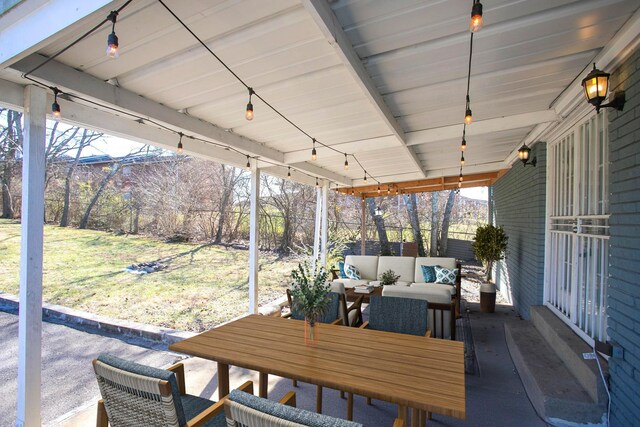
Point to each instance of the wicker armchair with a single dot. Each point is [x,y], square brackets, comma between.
[138,395]
[244,409]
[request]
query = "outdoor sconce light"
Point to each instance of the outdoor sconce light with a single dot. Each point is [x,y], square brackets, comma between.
[596,86]
[523,154]
[378,211]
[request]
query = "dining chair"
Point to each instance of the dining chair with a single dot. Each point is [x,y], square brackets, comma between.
[244,409]
[350,313]
[398,315]
[139,395]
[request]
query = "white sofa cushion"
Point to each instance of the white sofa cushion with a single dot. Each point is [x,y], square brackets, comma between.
[377,283]
[441,261]
[448,288]
[434,294]
[350,283]
[403,266]
[367,264]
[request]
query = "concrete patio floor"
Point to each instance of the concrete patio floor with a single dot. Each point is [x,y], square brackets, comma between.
[495,395]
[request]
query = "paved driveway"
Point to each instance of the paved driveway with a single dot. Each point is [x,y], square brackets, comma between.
[68,382]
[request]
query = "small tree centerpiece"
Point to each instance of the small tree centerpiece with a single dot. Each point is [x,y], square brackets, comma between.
[489,246]
[388,278]
[310,295]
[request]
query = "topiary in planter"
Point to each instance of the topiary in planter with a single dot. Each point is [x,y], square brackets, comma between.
[489,246]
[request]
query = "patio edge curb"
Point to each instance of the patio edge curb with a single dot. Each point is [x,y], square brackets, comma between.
[11,303]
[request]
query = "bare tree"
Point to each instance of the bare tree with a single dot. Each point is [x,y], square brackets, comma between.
[411,203]
[385,248]
[446,218]
[113,170]
[10,147]
[230,177]
[87,138]
[435,224]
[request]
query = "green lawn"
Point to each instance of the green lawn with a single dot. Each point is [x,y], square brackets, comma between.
[203,285]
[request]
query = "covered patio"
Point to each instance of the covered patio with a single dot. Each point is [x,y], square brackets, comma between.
[365,98]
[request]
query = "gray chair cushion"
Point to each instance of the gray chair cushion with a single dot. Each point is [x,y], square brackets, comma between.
[193,405]
[148,371]
[400,315]
[332,313]
[289,413]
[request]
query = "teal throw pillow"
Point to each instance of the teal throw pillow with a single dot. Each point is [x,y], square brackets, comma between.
[446,276]
[429,273]
[352,272]
[341,273]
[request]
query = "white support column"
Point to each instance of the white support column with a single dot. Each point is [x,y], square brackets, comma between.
[324,223]
[316,233]
[253,238]
[31,244]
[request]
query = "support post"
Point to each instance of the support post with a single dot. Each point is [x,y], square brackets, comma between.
[324,225]
[253,237]
[31,248]
[316,233]
[363,231]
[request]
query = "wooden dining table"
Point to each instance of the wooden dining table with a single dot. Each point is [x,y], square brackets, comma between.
[424,374]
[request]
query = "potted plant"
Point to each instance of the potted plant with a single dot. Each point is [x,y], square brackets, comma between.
[310,295]
[489,246]
[388,278]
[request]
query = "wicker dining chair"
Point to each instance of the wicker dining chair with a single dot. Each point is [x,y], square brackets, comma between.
[244,409]
[139,395]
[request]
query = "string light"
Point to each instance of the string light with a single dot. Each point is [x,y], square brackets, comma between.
[317,183]
[378,188]
[476,17]
[353,192]
[346,162]
[55,107]
[388,189]
[314,153]
[463,146]
[248,163]
[365,176]
[462,160]
[289,173]
[112,40]
[460,180]
[248,114]
[180,142]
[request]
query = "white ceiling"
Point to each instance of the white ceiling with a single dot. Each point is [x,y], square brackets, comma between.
[384,80]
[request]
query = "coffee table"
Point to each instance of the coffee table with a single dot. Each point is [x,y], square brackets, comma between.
[352,295]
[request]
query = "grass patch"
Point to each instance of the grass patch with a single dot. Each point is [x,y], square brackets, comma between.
[202,285]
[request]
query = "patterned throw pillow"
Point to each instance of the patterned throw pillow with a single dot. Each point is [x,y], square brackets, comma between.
[341,273]
[446,276]
[352,272]
[429,273]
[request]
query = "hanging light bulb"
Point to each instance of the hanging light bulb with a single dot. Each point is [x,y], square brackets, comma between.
[388,189]
[180,143]
[248,113]
[468,117]
[476,17]
[378,188]
[397,191]
[317,183]
[460,184]
[289,173]
[248,163]
[314,153]
[346,162]
[462,160]
[460,180]
[112,40]
[365,176]
[463,146]
[353,192]
[55,107]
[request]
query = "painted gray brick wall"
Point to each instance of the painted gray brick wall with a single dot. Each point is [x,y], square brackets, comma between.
[624,267]
[519,200]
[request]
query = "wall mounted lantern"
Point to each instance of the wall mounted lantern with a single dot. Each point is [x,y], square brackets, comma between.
[378,211]
[523,154]
[596,86]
